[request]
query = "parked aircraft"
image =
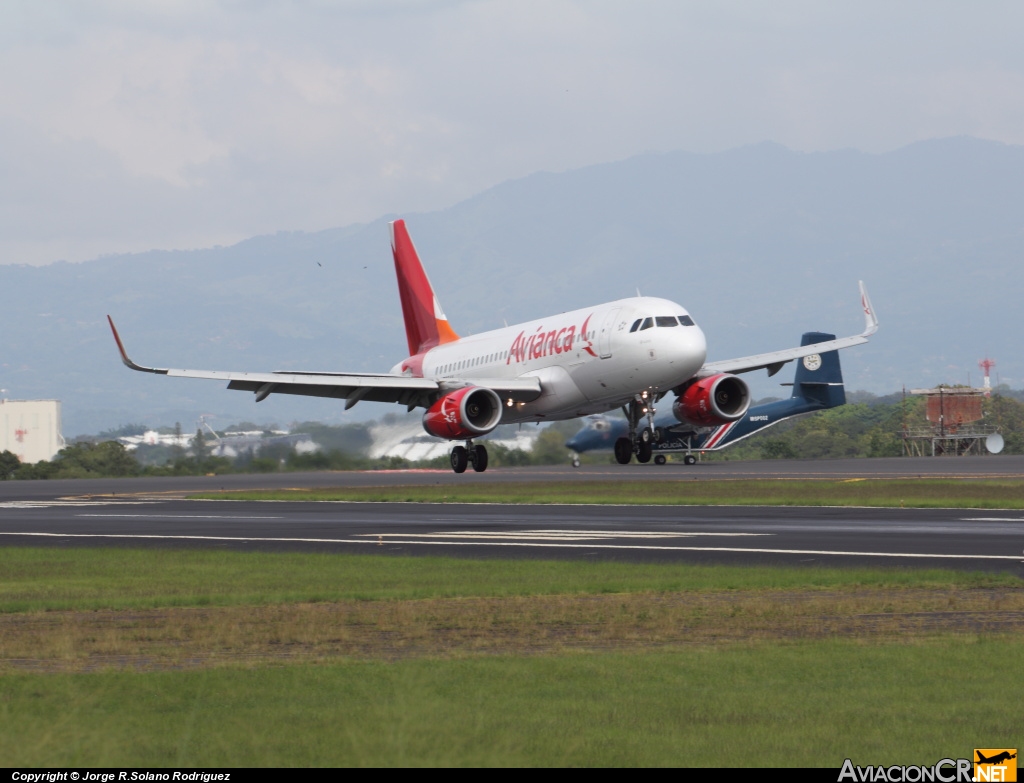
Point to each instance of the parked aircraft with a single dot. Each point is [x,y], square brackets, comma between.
[628,354]
[817,385]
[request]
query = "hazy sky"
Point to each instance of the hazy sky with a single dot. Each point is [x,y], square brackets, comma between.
[129,125]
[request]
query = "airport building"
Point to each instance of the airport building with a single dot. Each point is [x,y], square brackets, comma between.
[30,429]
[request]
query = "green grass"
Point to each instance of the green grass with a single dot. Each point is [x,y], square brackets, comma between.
[889,493]
[33,579]
[806,704]
[795,702]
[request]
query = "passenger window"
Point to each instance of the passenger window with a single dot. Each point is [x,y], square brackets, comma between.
[647,324]
[666,320]
[685,320]
[636,325]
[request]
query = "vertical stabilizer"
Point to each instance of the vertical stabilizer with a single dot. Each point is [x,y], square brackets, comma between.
[819,377]
[425,321]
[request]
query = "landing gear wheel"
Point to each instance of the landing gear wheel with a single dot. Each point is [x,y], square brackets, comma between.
[460,459]
[659,434]
[646,436]
[479,459]
[643,452]
[689,459]
[623,451]
[660,459]
[575,463]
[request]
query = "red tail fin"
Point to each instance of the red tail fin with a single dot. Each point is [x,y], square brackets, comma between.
[425,322]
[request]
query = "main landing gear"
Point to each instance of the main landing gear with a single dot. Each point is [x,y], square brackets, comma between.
[640,441]
[463,456]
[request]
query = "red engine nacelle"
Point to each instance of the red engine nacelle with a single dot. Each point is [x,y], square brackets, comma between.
[711,401]
[463,414]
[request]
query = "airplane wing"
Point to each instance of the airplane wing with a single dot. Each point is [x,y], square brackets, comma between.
[352,387]
[774,361]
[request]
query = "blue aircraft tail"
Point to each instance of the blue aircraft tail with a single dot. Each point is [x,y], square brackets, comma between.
[819,377]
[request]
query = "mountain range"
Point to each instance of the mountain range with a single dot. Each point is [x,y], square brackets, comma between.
[759,243]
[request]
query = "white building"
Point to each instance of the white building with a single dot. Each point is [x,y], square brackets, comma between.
[408,440]
[30,429]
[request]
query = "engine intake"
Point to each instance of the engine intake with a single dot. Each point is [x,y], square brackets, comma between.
[463,414]
[712,401]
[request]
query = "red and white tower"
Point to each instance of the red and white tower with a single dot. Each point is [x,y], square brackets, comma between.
[987,364]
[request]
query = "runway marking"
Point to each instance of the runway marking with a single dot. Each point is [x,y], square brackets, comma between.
[172,516]
[546,544]
[992,519]
[559,535]
[63,503]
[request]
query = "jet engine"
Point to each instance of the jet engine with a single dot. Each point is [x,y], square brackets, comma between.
[463,414]
[711,401]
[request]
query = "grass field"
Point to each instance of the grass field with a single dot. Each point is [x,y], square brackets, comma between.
[808,704]
[142,657]
[49,578]
[889,493]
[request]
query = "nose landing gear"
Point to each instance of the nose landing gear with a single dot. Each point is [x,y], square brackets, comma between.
[641,440]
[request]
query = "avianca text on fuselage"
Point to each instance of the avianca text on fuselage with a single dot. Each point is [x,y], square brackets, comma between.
[541,344]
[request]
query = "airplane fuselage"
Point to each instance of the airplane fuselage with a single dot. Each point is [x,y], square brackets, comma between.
[588,361]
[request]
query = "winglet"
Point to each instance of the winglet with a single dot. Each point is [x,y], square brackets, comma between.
[124,354]
[870,319]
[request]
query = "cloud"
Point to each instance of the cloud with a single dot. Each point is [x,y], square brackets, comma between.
[178,123]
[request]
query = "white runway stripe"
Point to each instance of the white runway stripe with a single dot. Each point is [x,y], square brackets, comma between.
[64,503]
[172,516]
[547,544]
[992,519]
[558,535]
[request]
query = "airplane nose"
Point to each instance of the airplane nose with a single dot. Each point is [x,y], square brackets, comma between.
[688,349]
[699,343]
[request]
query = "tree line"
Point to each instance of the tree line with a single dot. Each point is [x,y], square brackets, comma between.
[867,426]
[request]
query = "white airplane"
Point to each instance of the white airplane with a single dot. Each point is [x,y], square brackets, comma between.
[625,354]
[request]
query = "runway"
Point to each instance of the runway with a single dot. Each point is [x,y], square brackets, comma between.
[915,538]
[152,512]
[1002,466]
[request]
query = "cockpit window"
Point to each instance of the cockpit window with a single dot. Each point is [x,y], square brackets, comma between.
[666,320]
[636,325]
[647,324]
[685,320]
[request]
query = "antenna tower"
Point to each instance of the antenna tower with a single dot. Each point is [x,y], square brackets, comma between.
[987,364]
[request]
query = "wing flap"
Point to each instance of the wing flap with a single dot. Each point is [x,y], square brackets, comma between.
[351,381]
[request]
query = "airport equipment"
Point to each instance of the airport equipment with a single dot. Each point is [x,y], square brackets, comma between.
[957,428]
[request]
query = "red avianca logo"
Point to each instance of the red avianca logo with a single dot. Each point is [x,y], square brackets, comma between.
[556,341]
